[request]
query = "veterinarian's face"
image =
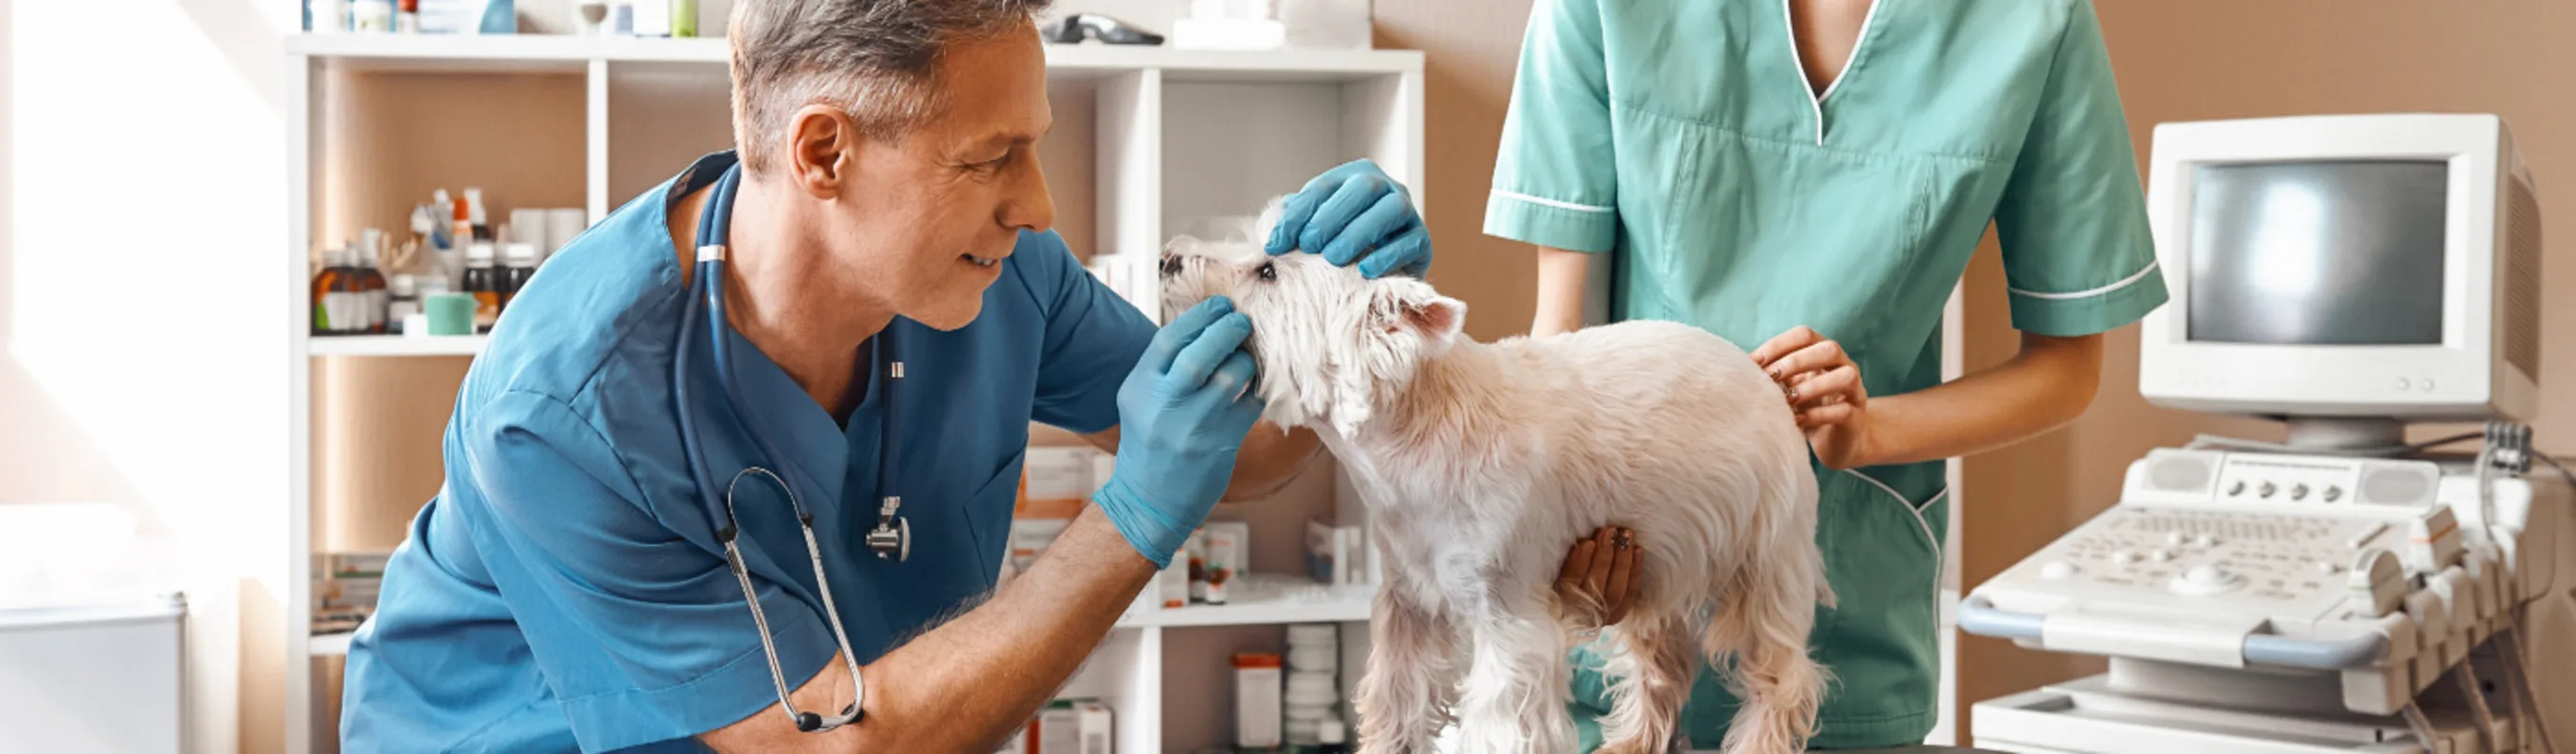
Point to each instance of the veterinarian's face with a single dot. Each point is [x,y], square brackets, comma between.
[1330,344]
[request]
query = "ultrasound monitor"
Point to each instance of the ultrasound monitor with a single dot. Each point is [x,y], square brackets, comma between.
[2347,271]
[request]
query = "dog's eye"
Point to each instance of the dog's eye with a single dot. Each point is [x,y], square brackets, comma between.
[1267,272]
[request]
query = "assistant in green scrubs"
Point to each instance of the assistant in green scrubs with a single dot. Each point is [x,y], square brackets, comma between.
[1681,137]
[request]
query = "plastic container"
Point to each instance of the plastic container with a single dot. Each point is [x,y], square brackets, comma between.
[1314,647]
[562,226]
[483,282]
[449,313]
[1331,737]
[402,303]
[518,266]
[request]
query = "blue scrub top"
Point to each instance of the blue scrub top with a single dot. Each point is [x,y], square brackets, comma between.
[565,590]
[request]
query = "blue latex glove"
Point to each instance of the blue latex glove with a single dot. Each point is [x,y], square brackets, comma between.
[1182,414]
[1355,212]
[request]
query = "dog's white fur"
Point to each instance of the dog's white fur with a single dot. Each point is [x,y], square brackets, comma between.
[1483,464]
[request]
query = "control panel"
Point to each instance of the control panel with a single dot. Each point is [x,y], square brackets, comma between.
[2208,549]
[2263,563]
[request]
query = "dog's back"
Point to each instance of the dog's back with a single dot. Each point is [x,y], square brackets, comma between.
[1664,428]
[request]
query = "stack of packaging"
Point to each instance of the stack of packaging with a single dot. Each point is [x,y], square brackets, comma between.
[344,591]
[1055,482]
[1065,726]
[1313,657]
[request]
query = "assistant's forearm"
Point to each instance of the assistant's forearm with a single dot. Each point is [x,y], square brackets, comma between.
[1561,277]
[1269,460]
[966,684]
[2047,385]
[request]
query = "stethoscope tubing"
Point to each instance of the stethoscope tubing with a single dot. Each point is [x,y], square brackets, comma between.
[707,292]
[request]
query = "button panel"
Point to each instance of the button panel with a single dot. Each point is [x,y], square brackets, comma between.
[2250,558]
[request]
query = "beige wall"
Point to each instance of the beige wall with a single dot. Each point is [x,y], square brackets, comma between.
[2207,59]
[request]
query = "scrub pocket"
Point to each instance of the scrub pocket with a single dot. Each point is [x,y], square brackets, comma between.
[988,516]
[1750,236]
[1880,640]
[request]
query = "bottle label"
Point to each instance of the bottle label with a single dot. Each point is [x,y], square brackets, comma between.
[343,312]
[487,309]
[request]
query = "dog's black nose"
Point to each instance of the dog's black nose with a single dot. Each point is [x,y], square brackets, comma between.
[1171,265]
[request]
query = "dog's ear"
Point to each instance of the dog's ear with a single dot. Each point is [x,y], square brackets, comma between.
[1409,305]
[1259,233]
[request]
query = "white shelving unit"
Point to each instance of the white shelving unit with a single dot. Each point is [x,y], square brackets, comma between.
[397,345]
[1149,143]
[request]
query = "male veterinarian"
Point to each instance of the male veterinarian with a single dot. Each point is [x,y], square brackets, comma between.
[833,343]
[1824,169]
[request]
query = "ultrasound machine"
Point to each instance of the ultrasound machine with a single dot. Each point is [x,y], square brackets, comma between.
[2348,590]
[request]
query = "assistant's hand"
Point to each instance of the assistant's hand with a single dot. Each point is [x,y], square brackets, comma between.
[1182,415]
[1598,582]
[1823,386]
[1355,212]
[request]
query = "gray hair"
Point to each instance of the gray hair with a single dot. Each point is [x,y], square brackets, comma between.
[876,59]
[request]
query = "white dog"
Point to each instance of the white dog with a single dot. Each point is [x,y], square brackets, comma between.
[1483,463]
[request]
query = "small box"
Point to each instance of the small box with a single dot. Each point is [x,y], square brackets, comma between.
[1030,538]
[1195,551]
[1058,481]
[1071,726]
[1229,556]
[1172,585]
[1102,464]
[1257,703]
[1331,553]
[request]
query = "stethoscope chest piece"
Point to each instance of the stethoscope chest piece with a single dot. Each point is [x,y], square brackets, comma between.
[892,539]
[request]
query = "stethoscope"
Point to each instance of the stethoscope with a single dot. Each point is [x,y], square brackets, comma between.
[892,537]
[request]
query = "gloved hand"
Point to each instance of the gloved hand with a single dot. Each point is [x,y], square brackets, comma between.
[1355,212]
[1182,414]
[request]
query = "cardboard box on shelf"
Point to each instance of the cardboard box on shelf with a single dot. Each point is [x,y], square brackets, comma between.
[1070,726]
[1334,554]
[1055,482]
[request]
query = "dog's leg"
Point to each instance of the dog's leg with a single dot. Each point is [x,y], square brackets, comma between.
[1652,661]
[1514,701]
[1765,624]
[1406,694]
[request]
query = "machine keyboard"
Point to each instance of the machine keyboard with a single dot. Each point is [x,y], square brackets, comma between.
[2263,557]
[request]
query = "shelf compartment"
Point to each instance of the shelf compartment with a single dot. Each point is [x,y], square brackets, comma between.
[397,345]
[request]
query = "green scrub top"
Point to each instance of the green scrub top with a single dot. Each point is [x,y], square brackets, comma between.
[1682,137]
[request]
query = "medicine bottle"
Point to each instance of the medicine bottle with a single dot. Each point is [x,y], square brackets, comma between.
[518,264]
[334,295]
[483,280]
[370,282]
[402,299]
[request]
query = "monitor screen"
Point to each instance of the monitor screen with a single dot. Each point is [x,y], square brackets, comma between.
[2318,253]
